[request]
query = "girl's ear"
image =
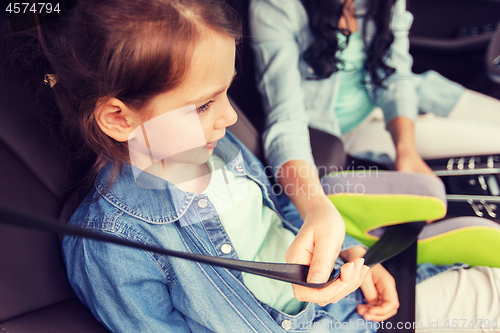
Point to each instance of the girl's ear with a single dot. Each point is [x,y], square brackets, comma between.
[116,120]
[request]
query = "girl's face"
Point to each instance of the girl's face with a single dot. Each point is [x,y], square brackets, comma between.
[184,124]
[206,84]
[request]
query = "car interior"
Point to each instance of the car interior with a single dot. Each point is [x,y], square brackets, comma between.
[458,38]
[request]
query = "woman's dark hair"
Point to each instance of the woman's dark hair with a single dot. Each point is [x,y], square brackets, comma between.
[321,55]
[131,50]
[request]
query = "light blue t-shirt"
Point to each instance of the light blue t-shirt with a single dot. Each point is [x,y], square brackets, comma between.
[353,102]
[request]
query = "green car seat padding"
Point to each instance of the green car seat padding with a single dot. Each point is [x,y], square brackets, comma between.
[468,239]
[369,200]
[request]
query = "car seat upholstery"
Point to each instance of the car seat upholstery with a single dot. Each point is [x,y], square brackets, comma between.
[35,176]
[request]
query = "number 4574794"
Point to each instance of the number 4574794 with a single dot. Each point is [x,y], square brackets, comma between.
[38,7]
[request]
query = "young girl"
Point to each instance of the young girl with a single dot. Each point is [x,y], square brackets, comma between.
[144,85]
[128,75]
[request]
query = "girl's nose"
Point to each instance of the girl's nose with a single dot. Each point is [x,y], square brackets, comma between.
[227,116]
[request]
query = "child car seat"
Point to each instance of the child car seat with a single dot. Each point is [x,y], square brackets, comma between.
[35,176]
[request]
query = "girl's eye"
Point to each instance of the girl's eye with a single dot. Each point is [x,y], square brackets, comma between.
[205,107]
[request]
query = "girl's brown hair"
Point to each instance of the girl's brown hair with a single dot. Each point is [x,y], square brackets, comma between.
[131,50]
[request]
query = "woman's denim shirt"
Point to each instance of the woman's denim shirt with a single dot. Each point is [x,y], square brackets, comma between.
[293,100]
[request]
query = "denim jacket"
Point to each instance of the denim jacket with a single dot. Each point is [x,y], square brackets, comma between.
[294,100]
[132,290]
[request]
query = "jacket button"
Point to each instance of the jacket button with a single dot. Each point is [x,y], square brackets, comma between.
[310,70]
[203,203]
[226,248]
[286,324]
[239,168]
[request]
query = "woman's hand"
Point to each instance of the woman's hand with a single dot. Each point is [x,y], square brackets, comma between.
[409,160]
[407,157]
[378,287]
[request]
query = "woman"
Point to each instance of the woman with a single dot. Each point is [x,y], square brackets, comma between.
[327,65]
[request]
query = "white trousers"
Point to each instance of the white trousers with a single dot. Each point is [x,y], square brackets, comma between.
[472,128]
[463,300]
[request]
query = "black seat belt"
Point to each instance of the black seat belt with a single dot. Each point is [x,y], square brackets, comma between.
[395,239]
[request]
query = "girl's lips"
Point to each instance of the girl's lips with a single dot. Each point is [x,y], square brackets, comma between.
[211,145]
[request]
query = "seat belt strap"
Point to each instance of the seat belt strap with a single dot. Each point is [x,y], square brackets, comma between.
[292,273]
